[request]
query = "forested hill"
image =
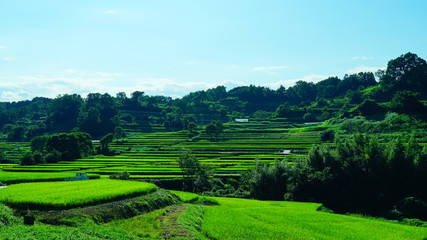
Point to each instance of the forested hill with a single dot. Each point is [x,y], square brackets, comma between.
[399,88]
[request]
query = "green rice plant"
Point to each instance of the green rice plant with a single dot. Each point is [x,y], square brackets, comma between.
[87,232]
[251,219]
[186,196]
[20,177]
[150,176]
[64,195]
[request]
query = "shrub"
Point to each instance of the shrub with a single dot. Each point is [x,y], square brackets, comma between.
[412,207]
[327,136]
[6,216]
[124,175]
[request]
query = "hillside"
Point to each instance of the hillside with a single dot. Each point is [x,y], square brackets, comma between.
[338,159]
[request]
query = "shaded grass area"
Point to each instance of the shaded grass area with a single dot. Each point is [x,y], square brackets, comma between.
[108,212]
[174,222]
[64,195]
[251,219]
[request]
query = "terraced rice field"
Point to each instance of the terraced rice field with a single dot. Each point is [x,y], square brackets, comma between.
[252,219]
[155,155]
[63,195]
[18,177]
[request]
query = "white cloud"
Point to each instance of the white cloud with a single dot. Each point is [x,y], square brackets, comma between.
[12,96]
[81,82]
[291,82]
[111,11]
[363,68]
[362,58]
[104,74]
[27,87]
[269,68]
[1,46]
[8,59]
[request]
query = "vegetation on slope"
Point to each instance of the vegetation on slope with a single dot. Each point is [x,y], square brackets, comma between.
[251,219]
[63,195]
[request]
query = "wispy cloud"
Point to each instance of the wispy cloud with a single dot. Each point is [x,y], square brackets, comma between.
[362,58]
[8,59]
[1,47]
[291,82]
[363,68]
[77,81]
[111,11]
[270,68]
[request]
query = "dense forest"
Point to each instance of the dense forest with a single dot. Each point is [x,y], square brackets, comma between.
[359,174]
[400,89]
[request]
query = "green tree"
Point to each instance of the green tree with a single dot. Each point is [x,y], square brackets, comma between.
[16,133]
[197,176]
[119,133]
[214,129]
[64,111]
[70,145]
[268,182]
[105,141]
[406,102]
[369,107]
[406,72]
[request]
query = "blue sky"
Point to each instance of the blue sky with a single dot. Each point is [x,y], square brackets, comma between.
[171,48]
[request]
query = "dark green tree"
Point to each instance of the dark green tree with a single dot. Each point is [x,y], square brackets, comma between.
[70,145]
[214,129]
[407,72]
[119,133]
[197,176]
[406,102]
[105,141]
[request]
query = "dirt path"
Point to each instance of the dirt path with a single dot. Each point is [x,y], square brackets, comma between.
[169,223]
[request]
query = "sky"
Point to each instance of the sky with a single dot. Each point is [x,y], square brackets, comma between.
[164,47]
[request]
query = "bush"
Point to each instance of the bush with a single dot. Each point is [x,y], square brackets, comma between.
[327,136]
[414,222]
[124,175]
[6,217]
[53,157]
[412,207]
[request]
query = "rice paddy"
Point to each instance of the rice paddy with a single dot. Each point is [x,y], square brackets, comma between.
[63,195]
[154,155]
[252,219]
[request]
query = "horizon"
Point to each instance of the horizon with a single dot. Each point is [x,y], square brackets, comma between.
[174,48]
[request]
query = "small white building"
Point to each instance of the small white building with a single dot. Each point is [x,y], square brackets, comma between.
[241,120]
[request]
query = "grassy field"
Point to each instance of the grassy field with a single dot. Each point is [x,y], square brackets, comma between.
[251,219]
[63,195]
[19,177]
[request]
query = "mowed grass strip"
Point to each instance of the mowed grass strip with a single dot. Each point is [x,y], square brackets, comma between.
[65,195]
[251,219]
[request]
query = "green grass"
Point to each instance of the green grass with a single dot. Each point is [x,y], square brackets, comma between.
[64,195]
[186,196]
[19,177]
[251,219]
[144,226]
